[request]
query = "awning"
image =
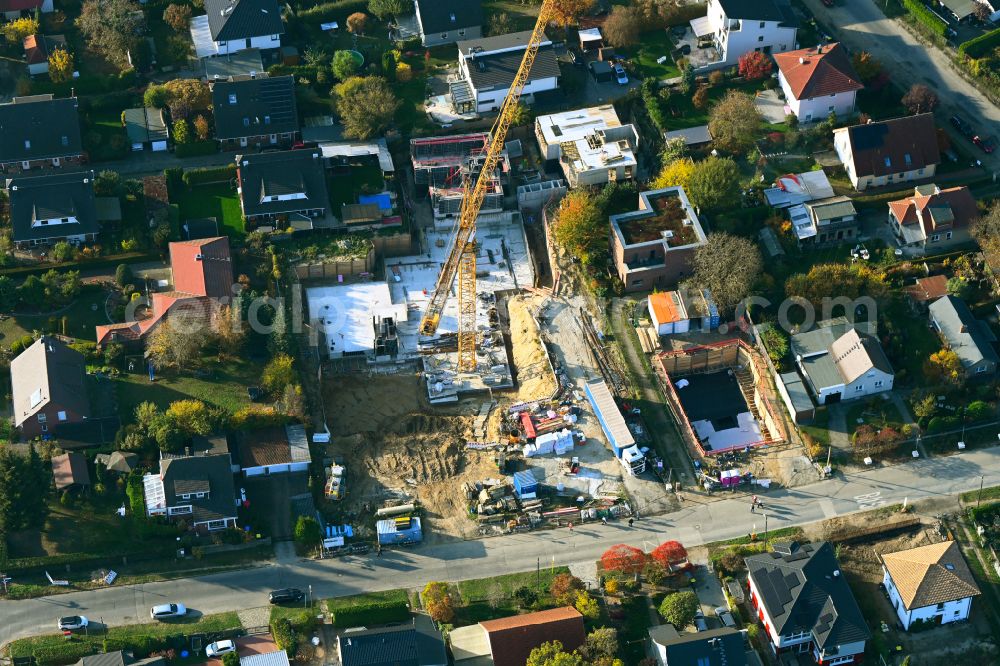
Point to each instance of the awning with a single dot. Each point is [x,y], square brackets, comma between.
[701,26]
[801,222]
[201,35]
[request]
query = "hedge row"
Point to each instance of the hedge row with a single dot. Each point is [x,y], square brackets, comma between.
[366,614]
[338,10]
[84,560]
[221,174]
[925,16]
[69,652]
[981,46]
[100,262]
[195,149]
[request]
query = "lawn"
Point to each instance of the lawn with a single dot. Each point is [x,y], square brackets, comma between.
[81,316]
[338,603]
[491,598]
[225,386]
[344,188]
[90,527]
[912,343]
[653,46]
[876,412]
[192,624]
[818,429]
[681,113]
[104,136]
[218,200]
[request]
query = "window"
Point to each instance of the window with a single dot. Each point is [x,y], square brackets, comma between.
[760,38]
[981,369]
[200,495]
[907,159]
[267,120]
[636,283]
[935,238]
[61,416]
[940,607]
[888,162]
[185,496]
[275,38]
[246,122]
[42,417]
[461,33]
[444,35]
[232,98]
[878,383]
[859,388]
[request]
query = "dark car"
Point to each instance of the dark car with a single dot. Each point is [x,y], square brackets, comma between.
[287,595]
[578,58]
[986,144]
[963,127]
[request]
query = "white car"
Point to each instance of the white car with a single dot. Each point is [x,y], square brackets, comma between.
[620,75]
[219,648]
[164,611]
[73,622]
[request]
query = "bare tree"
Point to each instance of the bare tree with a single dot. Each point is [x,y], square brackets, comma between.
[920,99]
[728,266]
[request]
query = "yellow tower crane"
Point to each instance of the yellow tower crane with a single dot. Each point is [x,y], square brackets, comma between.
[462,256]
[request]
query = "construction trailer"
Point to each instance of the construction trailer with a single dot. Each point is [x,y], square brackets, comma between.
[399,530]
[616,430]
[525,485]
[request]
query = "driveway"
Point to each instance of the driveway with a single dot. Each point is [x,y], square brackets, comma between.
[861,25]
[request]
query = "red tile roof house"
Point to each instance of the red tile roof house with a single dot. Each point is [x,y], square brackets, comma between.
[888,152]
[13,9]
[48,387]
[203,282]
[933,218]
[510,640]
[38,48]
[818,81]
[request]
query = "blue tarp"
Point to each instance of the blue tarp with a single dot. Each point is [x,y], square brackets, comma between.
[383,200]
[525,483]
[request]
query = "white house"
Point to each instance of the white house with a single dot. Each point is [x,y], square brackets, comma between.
[592,145]
[736,27]
[277,450]
[805,604]
[929,584]
[818,81]
[230,26]
[888,152]
[840,361]
[487,68]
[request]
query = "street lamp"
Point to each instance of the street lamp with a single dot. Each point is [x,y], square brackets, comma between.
[979,497]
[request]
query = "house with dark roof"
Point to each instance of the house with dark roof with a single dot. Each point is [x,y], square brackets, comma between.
[39,131]
[970,338]
[274,450]
[933,218]
[805,603]
[284,189]
[203,281]
[830,220]
[418,643]
[146,128]
[255,111]
[929,584]
[653,247]
[841,361]
[229,26]
[196,488]
[11,10]
[818,81]
[487,67]
[448,21]
[51,208]
[509,641]
[736,27]
[49,387]
[119,658]
[888,152]
[38,48]
[715,647]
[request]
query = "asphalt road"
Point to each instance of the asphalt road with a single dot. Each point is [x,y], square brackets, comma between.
[861,25]
[694,524]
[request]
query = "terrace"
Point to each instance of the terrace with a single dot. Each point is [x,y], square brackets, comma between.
[667,221]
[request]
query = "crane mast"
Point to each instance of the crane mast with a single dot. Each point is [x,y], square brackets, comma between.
[462,255]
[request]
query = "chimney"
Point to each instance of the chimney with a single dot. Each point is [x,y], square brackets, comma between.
[802,60]
[819,49]
[964,328]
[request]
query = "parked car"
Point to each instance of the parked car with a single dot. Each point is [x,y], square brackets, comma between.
[578,58]
[620,75]
[987,145]
[963,127]
[164,611]
[73,622]
[219,648]
[699,621]
[725,617]
[287,595]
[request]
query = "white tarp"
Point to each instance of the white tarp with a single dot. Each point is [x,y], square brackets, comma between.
[559,443]
[701,26]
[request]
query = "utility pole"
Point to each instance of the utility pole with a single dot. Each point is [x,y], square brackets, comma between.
[765,532]
[979,498]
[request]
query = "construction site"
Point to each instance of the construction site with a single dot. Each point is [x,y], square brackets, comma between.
[720,396]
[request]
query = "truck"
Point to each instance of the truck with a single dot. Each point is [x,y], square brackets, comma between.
[615,429]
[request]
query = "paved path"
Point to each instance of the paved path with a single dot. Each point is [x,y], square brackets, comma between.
[861,25]
[693,525]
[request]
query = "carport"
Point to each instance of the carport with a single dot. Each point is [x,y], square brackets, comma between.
[601,71]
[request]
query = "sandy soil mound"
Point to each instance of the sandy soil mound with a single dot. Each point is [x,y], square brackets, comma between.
[534,376]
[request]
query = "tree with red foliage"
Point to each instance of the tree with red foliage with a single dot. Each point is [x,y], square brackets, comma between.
[755,65]
[626,559]
[669,554]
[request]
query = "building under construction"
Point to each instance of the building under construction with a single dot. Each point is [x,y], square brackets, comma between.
[717,395]
[441,166]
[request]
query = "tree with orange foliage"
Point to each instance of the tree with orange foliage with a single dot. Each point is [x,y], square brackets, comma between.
[669,554]
[357,22]
[568,11]
[755,65]
[624,558]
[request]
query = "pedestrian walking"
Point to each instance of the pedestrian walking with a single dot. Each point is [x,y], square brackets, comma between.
[604,520]
[571,527]
[630,521]
[753,500]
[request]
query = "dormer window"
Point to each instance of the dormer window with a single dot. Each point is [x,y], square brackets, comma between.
[232,98]
[27,144]
[65,140]
[907,159]
[888,162]
[452,17]
[246,122]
